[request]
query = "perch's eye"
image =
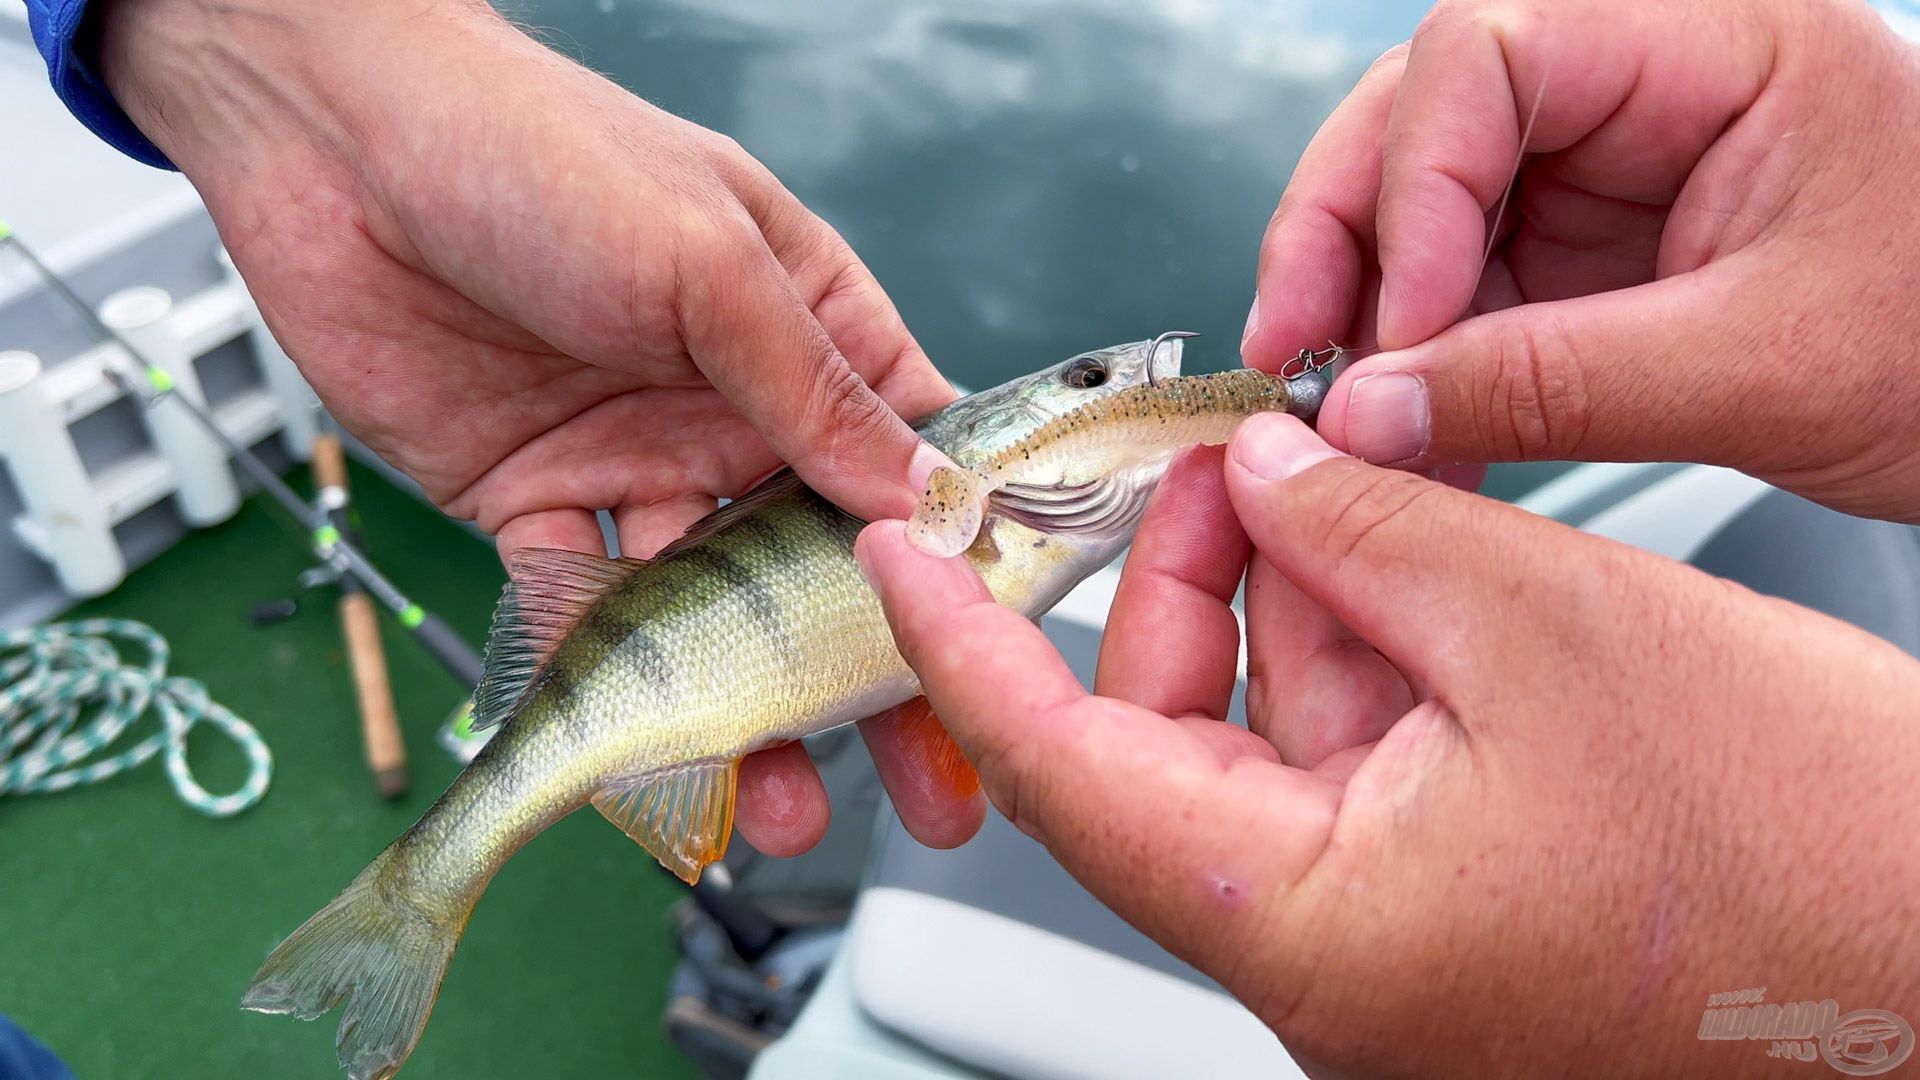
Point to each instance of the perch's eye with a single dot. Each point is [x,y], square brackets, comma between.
[1085,373]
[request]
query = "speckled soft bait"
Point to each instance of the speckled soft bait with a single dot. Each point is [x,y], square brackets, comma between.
[1072,471]
[638,686]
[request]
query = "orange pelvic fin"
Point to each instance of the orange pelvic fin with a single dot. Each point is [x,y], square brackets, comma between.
[926,745]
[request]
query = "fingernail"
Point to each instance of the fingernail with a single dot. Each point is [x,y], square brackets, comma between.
[1274,447]
[863,557]
[1253,325]
[926,458]
[1388,419]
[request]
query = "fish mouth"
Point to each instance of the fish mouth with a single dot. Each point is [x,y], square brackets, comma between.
[1165,352]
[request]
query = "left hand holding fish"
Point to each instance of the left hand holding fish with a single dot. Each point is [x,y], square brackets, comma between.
[1512,793]
[538,295]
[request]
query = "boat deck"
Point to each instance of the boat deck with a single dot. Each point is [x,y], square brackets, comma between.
[132,923]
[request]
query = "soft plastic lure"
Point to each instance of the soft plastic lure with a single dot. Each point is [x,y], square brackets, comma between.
[1066,475]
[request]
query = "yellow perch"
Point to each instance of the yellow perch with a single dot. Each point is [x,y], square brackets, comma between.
[1140,426]
[638,686]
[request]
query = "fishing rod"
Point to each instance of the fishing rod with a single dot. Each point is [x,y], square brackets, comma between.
[360,628]
[433,634]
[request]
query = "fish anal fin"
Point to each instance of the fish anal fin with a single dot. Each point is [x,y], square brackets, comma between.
[949,514]
[550,589]
[683,818]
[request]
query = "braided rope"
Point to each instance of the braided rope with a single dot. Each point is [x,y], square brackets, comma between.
[51,676]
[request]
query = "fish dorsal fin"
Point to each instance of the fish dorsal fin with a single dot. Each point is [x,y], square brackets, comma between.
[683,818]
[777,486]
[548,592]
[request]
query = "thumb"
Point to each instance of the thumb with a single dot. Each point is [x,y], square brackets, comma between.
[1450,586]
[1636,374]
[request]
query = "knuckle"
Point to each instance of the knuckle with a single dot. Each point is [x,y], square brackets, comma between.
[704,255]
[824,261]
[1364,510]
[1464,15]
[1539,398]
[722,153]
[708,242]
[843,412]
[1444,15]
[1512,25]
[749,181]
[1009,786]
[1387,62]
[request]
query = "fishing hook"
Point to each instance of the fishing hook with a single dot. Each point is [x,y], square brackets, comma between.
[1154,350]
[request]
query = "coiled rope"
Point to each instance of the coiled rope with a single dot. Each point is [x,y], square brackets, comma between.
[66,695]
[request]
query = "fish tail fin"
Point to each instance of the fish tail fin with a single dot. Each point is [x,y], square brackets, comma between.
[949,514]
[385,962]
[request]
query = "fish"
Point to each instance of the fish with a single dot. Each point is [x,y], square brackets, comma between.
[636,686]
[1076,456]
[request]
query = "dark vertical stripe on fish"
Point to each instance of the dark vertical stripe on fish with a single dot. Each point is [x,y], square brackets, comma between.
[746,587]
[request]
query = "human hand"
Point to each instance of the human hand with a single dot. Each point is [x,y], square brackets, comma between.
[1709,254]
[1515,800]
[540,296]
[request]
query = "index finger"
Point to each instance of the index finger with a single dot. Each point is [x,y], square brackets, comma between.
[1320,240]
[1172,642]
[855,311]
[1607,83]
[755,339]
[1150,818]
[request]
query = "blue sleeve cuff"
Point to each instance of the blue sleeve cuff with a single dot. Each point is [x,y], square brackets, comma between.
[56,24]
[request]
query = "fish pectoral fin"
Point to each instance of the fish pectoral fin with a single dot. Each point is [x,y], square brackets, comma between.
[548,592]
[683,818]
[1111,502]
[949,514]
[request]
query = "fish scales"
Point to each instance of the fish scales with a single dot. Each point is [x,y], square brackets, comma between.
[707,665]
[639,686]
[714,640]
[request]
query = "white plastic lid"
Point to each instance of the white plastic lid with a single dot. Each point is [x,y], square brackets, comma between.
[135,307]
[17,369]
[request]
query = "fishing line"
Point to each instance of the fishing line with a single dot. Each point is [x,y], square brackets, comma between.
[1519,160]
[1311,360]
[66,695]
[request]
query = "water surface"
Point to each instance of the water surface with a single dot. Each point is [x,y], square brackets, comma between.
[1027,179]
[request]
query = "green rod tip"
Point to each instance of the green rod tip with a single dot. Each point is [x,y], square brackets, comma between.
[159,379]
[325,536]
[412,616]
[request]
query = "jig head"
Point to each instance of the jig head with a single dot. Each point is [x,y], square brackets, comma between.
[1307,379]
